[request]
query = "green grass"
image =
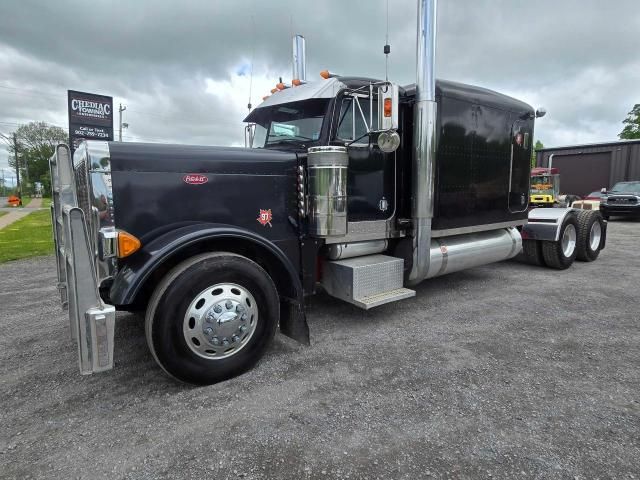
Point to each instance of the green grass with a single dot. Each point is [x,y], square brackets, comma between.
[46,202]
[28,237]
[26,199]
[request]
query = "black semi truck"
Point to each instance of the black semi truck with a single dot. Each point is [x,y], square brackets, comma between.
[360,187]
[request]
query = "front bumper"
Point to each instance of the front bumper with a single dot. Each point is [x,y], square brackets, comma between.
[91,320]
[620,210]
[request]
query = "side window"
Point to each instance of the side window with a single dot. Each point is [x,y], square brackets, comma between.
[355,119]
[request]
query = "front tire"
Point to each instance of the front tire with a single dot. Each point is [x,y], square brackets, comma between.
[590,235]
[561,254]
[212,318]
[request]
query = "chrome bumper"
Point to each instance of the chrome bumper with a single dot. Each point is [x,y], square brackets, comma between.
[92,321]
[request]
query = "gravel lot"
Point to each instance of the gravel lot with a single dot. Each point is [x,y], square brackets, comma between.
[504,371]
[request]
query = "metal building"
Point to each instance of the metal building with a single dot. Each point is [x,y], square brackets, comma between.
[589,167]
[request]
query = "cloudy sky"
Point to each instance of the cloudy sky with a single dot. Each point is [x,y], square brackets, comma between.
[182,68]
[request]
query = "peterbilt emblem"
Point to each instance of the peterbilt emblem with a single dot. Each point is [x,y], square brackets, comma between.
[195,179]
[265,218]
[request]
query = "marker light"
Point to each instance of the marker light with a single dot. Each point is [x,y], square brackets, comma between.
[127,244]
[280,86]
[325,74]
[265,97]
[274,90]
[387,107]
[296,82]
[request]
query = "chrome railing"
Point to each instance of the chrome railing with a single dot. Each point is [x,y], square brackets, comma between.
[92,321]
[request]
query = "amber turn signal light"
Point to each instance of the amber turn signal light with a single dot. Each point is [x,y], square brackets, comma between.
[296,82]
[387,107]
[127,244]
[325,74]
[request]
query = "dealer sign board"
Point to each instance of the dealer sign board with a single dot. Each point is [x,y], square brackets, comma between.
[90,117]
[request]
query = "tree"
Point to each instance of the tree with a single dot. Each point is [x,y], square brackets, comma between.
[537,146]
[632,124]
[36,144]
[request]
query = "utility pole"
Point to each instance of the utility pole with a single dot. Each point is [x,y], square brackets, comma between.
[121,109]
[15,152]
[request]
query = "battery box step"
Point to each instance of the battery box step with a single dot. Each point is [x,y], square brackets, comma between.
[367,281]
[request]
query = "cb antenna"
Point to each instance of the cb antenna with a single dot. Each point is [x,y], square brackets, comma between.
[387,48]
[253,48]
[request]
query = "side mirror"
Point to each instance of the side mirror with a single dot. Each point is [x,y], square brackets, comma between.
[388,99]
[603,190]
[389,141]
[541,112]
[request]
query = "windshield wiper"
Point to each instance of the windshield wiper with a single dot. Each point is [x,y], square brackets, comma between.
[292,137]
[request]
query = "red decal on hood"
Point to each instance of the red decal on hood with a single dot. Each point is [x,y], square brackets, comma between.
[265,218]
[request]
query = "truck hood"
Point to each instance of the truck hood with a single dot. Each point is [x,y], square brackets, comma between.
[154,157]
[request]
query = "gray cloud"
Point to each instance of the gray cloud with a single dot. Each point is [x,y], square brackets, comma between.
[175,64]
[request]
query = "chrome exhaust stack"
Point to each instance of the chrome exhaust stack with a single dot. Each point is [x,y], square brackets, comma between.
[299,59]
[424,141]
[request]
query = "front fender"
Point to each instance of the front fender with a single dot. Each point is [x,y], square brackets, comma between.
[132,276]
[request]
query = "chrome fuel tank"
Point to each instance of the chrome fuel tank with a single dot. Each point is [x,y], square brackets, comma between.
[459,252]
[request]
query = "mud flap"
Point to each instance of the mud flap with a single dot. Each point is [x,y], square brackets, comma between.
[293,321]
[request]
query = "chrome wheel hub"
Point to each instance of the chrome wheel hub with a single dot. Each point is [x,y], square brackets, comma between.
[220,320]
[569,240]
[595,234]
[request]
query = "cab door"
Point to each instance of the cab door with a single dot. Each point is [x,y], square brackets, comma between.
[520,166]
[371,179]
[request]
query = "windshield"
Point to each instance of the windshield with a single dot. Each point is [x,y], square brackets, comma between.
[298,123]
[627,187]
[542,184]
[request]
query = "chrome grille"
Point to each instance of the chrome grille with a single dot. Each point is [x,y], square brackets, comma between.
[82,186]
[623,200]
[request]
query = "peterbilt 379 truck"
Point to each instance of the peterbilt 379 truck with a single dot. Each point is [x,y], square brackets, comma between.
[355,186]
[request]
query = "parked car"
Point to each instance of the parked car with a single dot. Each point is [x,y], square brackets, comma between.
[623,200]
[589,202]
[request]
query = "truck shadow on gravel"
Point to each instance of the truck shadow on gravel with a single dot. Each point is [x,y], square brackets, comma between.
[329,319]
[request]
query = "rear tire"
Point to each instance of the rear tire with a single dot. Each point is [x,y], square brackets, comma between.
[532,251]
[590,235]
[217,289]
[561,254]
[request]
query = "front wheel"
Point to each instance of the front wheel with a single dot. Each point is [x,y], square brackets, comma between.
[561,254]
[212,317]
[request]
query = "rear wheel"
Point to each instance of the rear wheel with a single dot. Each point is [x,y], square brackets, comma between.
[561,254]
[212,317]
[590,235]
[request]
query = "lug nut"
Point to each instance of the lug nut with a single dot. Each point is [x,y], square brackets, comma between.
[215,341]
[229,305]
[243,317]
[217,309]
[225,342]
[243,328]
[235,338]
[208,331]
[239,308]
